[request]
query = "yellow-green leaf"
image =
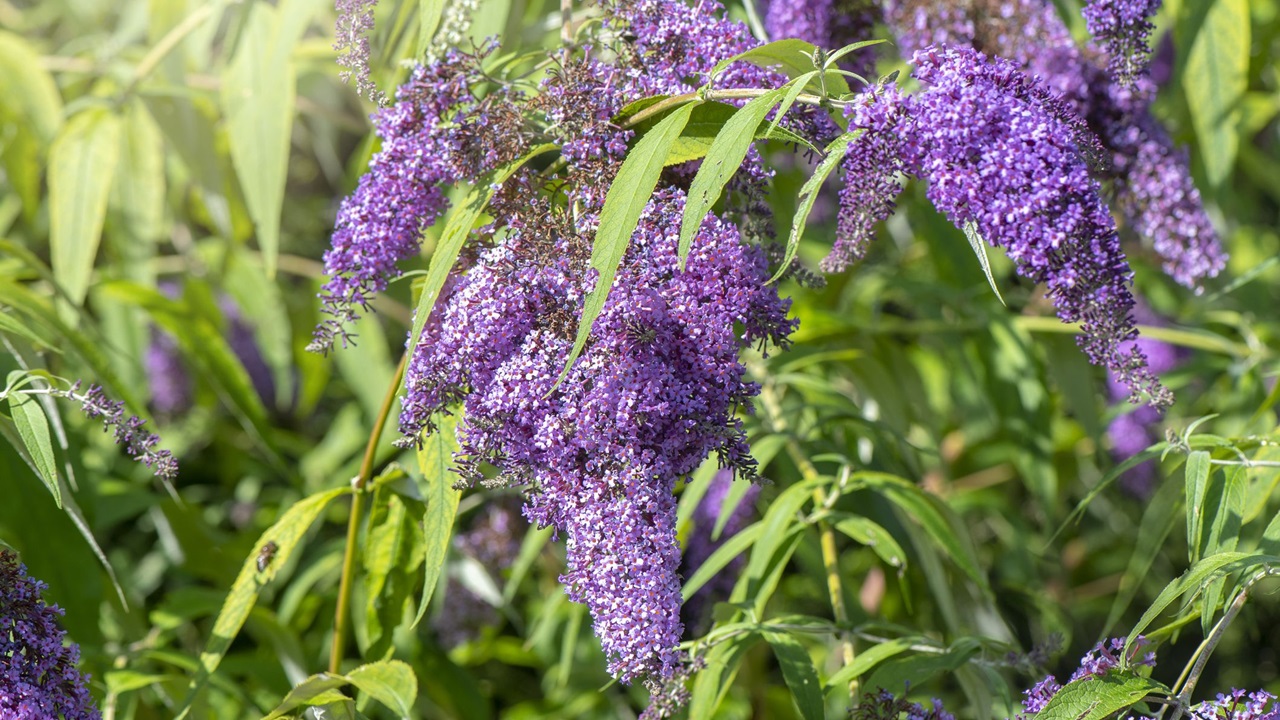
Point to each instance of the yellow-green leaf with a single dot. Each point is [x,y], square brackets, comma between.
[33,428]
[435,460]
[390,682]
[1215,78]
[82,164]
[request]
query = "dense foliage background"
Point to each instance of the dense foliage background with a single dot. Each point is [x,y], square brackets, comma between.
[169,175]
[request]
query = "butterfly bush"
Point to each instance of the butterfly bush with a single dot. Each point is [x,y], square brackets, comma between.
[658,386]
[1151,178]
[39,678]
[1099,661]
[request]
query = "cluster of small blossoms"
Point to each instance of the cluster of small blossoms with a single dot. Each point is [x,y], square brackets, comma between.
[129,431]
[1151,177]
[39,678]
[1102,659]
[1136,430]
[1006,159]
[703,542]
[355,21]
[1238,705]
[884,705]
[437,132]
[655,392]
[1124,27]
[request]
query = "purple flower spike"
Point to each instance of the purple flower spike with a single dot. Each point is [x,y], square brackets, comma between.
[701,544]
[1123,26]
[39,678]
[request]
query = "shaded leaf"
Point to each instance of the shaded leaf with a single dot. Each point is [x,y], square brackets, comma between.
[868,659]
[798,672]
[1098,697]
[809,194]
[82,164]
[435,460]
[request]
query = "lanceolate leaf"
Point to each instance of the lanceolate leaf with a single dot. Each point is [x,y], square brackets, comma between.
[809,194]
[723,555]
[257,99]
[723,159]
[1215,78]
[980,251]
[1098,697]
[791,57]
[318,689]
[33,427]
[626,200]
[435,460]
[285,533]
[456,230]
[868,659]
[429,14]
[390,682]
[82,164]
[1157,522]
[798,672]
[793,88]
[1197,475]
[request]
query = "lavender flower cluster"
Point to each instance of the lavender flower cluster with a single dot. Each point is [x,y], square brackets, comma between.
[128,429]
[654,392]
[39,678]
[1124,26]
[1152,179]
[1102,659]
[884,705]
[1238,705]
[1006,159]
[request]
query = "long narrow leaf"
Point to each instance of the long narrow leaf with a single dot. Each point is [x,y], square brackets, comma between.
[809,194]
[626,200]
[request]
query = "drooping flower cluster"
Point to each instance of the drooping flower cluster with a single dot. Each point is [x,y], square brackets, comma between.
[1007,160]
[1101,660]
[1238,705]
[39,677]
[437,132]
[1136,430]
[355,22]
[1152,178]
[703,541]
[129,430]
[1123,26]
[654,392]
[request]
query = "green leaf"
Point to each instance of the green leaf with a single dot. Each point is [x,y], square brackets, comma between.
[1193,579]
[82,164]
[1197,480]
[724,158]
[429,14]
[31,116]
[258,90]
[791,57]
[1098,697]
[627,198]
[9,324]
[319,689]
[1270,543]
[390,682]
[895,675]
[33,427]
[712,683]
[798,672]
[729,505]
[456,230]
[723,555]
[286,534]
[933,515]
[867,659]
[980,251]
[138,194]
[435,460]
[780,517]
[793,88]
[809,194]
[1215,78]
[394,549]
[705,124]
[874,536]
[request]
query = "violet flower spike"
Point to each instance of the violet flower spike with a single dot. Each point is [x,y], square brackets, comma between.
[39,677]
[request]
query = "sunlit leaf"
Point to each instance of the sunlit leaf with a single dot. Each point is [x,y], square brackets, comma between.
[435,461]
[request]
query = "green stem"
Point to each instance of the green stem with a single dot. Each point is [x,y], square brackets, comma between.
[353,522]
